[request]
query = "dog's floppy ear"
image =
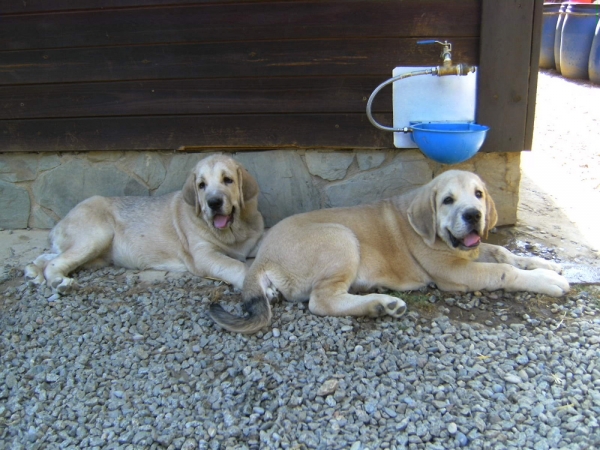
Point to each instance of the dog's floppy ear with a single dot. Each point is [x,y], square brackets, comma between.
[422,214]
[248,185]
[491,215]
[190,192]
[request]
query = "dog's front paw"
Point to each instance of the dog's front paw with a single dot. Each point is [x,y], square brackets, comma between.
[535,262]
[549,282]
[389,305]
[549,265]
[396,308]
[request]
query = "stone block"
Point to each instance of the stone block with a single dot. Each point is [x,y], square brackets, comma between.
[178,169]
[408,170]
[285,184]
[370,160]
[330,166]
[40,218]
[148,167]
[104,156]
[60,189]
[14,206]
[49,185]
[25,166]
[502,175]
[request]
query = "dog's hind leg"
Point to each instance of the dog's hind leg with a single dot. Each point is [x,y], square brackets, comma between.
[333,275]
[332,300]
[76,253]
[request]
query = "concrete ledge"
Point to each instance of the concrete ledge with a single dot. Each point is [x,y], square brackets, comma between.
[37,190]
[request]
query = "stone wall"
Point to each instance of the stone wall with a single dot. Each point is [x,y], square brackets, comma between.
[36,190]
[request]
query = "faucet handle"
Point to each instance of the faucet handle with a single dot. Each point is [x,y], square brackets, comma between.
[433,41]
[447,48]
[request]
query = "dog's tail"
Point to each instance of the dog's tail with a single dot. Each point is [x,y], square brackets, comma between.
[256,307]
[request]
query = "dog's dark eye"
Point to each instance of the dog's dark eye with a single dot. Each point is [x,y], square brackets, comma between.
[478,194]
[201,185]
[227,180]
[448,201]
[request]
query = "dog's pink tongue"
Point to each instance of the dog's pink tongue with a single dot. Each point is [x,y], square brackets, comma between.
[220,221]
[471,240]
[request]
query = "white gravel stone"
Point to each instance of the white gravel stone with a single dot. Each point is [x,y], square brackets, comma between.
[452,428]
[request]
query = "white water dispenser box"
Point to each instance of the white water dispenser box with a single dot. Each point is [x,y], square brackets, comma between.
[429,98]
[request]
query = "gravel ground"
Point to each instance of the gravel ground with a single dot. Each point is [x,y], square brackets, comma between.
[122,363]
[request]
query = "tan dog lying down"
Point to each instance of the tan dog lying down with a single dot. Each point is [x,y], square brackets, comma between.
[431,234]
[208,228]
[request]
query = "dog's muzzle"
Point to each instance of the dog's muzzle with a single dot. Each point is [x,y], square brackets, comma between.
[220,221]
[471,217]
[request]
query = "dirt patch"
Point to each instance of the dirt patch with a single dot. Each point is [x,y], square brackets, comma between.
[560,185]
[495,308]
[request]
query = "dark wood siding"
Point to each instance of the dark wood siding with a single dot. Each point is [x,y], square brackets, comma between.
[508,68]
[148,74]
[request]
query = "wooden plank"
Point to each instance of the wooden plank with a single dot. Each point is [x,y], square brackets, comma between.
[504,65]
[534,65]
[205,96]
[217,22]
[44,6]
[339,57]
[242,132]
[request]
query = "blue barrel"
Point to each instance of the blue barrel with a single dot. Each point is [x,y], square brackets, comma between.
[576,41]
[558,34]
[551,11]
[594,63]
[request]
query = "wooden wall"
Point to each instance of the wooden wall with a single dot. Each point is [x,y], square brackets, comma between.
[79,75]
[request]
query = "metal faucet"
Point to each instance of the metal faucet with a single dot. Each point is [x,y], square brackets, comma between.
[448,68]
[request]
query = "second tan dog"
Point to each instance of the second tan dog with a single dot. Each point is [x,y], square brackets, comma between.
[431,234]
[208,228]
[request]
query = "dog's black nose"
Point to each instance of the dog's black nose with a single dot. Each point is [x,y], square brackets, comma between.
[215,203]
[472,216]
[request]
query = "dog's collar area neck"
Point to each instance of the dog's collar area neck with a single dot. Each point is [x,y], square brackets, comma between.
[470,241]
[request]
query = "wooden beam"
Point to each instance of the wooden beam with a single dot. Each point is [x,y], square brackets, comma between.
[332,57]
[42,6]
[231,131]
[534,65]
[250,21]
[203,96]
[507,29]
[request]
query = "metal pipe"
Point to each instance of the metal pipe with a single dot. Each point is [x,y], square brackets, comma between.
[440,71]
[455,69]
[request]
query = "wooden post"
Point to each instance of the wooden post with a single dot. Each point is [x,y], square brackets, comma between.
[508,64]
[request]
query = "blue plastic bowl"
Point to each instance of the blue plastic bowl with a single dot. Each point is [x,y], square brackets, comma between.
[449,143]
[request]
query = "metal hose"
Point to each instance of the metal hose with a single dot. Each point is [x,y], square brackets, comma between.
[446,69]
[430,71]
